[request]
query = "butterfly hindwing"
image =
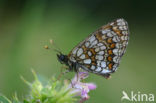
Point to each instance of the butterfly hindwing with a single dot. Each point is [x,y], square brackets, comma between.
[101,51]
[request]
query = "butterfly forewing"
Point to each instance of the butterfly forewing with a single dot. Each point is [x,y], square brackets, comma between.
[101,52]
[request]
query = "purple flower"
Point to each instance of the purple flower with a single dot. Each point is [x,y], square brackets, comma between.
[80,88]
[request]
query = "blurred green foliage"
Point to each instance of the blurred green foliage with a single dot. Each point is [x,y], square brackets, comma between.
[49,91]
[27,25]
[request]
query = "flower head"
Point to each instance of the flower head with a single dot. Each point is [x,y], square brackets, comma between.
[80,88]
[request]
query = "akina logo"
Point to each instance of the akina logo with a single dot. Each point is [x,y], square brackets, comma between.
[137,96]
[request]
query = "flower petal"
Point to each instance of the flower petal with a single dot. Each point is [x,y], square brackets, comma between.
[80,88]
[91,86]
[82,75]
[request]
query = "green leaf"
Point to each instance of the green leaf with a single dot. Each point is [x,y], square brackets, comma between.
[4,99]
[15,99]
[51,91]
[25,101]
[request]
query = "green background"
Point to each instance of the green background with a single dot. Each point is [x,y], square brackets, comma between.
[27,25]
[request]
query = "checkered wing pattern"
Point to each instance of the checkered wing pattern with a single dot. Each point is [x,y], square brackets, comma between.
[101,52]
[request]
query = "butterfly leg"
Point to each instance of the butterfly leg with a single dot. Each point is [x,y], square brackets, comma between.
[62,73]
[76,69]
[77,72]
[72,85]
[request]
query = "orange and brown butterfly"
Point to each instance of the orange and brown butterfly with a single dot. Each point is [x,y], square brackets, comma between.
[101,51]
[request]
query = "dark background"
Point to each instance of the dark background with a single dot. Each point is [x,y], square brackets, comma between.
[27,25]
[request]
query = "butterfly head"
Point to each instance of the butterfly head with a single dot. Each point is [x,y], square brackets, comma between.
[63,59]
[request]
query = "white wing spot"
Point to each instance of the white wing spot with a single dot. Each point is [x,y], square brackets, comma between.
[120,52]
[116,59]
[102,47]
[121,23]
[122,37]
[117,45]
[104,37]
[104,71]
[92,38]
[115,51]
[82,56]
[92,67]
[99,57]
[75,50]
[120,20]
[99,44]
[87,44]
[124,32]
[126,37]
[125,27]
[113,33]
[94,43]
[112,23]
[115,67]
[125,43]
[103,64]
[109,34]
[100,52]
[98,69]
[87,61]
[105,31]
[97,49]
[98,63]
[79,52]
[89,53]
[72,59]
[116,39]
[121,27]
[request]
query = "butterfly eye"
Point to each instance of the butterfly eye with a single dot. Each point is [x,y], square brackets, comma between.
[60,58]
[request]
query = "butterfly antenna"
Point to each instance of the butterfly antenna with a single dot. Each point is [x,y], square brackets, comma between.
[54,47]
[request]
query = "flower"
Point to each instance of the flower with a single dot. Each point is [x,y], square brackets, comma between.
[80,88]
[54,91]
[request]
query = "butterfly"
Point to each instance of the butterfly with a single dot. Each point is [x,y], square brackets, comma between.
[101,52]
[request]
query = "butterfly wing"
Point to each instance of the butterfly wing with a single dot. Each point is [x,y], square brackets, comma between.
[101,52]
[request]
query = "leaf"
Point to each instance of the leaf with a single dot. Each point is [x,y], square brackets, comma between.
[4,99]
[25,101]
